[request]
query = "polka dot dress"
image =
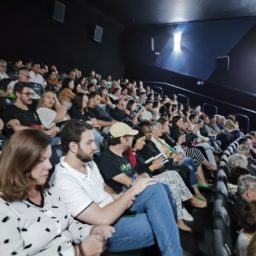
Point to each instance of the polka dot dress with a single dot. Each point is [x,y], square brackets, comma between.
[45,229]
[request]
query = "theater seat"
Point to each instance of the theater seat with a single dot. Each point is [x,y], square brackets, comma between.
[221,222]
[221,176]
[220,248]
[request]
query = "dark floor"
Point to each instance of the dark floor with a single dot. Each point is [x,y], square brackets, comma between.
[198,243]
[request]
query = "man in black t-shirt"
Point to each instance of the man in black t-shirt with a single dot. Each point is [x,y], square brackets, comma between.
[20,115]
[115,167]
[95,111]
[118,113]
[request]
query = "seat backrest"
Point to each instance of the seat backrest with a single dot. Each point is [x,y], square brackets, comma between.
[221,175]
[224,158]
[230,149]
[38,88]
[221,221]
[220,248]
[221,187]
[57,153]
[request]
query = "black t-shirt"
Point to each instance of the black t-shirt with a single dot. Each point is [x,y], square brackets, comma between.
[111,165]
[121,116]
[76,114]
[25,117]
[100,114]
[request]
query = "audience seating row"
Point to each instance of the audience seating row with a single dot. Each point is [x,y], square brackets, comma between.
[223,244]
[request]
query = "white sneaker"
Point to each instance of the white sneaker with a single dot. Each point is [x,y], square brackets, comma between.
[186,215]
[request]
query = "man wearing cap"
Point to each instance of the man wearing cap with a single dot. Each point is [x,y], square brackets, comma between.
[20,116]
[138,214]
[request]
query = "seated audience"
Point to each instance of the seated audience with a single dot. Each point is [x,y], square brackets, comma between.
[52,81]
[179,190]
[146,113]
[88,199]
[35,74]
[20,115]
[22,77]
[95,111]
[34,219]
[49,109]
[119,113]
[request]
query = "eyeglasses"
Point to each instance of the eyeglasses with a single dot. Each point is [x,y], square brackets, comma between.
[3,65]
[28,94]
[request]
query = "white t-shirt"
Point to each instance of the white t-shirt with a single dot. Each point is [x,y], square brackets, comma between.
[36,78]
[78,190]
[146,115]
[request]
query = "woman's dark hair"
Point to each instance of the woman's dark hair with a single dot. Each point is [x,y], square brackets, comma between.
[101,89]
[175,119]
[80,79]
[137,136]
[65,83]
[77,102]
[129,104]
[20,155]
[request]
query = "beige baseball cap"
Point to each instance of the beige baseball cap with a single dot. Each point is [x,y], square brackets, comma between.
[120,129]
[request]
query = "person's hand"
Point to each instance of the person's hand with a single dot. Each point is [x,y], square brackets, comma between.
[104,231]
[157,164]
[181,139]
[93,122]
[53,131]
[94,245]
[140,184]
[143,175]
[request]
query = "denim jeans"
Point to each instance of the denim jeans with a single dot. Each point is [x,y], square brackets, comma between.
[154,218]
[188,161]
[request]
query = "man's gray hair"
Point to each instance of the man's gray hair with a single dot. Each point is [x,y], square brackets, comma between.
[237,160]
[243,149]
[156,125]
[246,182]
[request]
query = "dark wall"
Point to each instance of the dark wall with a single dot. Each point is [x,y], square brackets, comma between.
[241,74]
[201,43]
[29,32]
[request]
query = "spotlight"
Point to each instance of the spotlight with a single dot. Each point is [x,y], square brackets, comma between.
[176,41]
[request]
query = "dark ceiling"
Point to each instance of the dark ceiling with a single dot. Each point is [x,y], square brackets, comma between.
[145,12]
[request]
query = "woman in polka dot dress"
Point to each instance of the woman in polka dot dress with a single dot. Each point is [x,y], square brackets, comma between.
[33,219]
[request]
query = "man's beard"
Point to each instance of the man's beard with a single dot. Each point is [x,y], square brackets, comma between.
[83,157]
